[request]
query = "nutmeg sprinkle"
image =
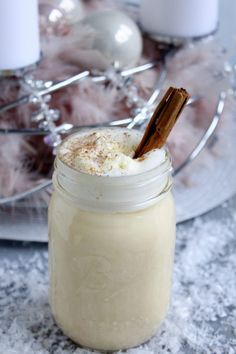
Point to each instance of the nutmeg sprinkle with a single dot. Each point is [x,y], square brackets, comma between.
[105,151]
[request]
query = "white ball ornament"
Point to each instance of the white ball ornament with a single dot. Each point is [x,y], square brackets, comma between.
[117,38]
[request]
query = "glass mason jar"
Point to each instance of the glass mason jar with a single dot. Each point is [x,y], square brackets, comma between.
[111,249]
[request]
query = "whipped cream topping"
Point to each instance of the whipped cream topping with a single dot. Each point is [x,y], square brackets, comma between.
[108,152]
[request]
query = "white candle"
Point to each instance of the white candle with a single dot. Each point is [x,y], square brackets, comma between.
[180,18]
[19,34]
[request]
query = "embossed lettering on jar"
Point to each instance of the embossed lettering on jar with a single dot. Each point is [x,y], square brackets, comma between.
[111,247]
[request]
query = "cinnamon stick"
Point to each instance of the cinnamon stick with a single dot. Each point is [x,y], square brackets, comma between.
[162,120]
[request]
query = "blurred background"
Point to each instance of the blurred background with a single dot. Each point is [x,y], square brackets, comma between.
[67,64]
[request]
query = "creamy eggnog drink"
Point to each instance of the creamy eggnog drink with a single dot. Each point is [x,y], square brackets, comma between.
[111,239]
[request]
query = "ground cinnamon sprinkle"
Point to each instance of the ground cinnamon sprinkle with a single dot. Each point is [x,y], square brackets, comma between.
[95,150]
[107,151]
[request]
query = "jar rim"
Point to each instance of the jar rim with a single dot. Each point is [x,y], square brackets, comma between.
[116,193]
